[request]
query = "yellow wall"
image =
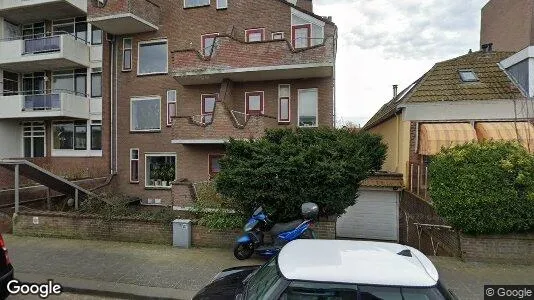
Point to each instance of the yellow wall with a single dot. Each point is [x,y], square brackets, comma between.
[396,134]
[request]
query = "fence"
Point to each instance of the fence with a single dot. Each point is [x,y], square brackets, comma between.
[418,183]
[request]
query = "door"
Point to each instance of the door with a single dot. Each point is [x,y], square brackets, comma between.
[375,216]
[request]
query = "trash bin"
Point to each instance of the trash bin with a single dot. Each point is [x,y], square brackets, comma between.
[181,233]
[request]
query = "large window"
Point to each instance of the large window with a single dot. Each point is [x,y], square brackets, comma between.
[171,106]
[153,57]
[34,139]
[96,82]
[308,108]
[208,42]
[70,135]
[33,83]
[72,81]
[145,114]
[11,83]
[284,106]
[33,31]
[195,3]
[254,103]
[96,135]
[301,36]
[208,107]
[255,35]
[74,26]
[134,165]
[127,54]
[160,169]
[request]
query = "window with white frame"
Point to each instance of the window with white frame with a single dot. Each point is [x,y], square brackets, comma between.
[160,169]
[277,35]
[96,35]
[145,114]
[308,110]
[70,135]
[134,165]
[301,36]
[208,107]
[254,103]
[34,138]
[208,42]
[127,54]
[255,35]
[195,3]
[222,4]
[284,105]
[96,82]
[96,135]
[171,106]
[152,57]
[70,81]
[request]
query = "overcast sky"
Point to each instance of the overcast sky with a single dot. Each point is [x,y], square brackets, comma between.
[386,42]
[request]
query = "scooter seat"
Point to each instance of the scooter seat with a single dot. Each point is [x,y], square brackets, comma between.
[282,227]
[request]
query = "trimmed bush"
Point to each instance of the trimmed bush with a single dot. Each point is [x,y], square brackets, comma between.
[288,167]
[484,188]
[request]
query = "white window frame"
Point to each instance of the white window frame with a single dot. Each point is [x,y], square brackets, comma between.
[278,32]
[151,154]
[130,167]
[203,45]
[255,29]
[140,43]
[132,99]
[225,6]
[262,101]
[131,52]
[185,6]
[289,104]
[73,150]
[316,108]
[169,102]
[33,135]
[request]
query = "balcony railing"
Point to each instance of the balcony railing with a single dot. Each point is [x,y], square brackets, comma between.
[40,45]
[44,103]
[418,179]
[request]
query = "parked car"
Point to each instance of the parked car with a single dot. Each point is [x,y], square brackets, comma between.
[6,269]
[333,269]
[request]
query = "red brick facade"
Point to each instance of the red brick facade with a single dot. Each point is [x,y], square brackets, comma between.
[183,28]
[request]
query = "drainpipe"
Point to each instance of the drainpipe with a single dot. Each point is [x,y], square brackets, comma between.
[111,56]
[116,58]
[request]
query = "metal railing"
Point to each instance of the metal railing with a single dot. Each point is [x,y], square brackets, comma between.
[419,179]
[42,102]
[43,44]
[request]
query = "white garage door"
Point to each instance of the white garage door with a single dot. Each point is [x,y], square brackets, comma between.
[375,216]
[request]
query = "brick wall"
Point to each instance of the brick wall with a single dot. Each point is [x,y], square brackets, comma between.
[64,225]
[513,248]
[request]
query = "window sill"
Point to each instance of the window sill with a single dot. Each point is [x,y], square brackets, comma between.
[224,8]
[200,6]
[284,122]
[127,70]
[158,187]
[145,131]
[76,153]
[152,74]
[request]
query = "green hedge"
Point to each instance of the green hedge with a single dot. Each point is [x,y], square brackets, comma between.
[484,188]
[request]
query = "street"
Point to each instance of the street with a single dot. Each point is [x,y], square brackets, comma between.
[129,270]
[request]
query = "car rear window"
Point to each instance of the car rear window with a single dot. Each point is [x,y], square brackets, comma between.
[398,293]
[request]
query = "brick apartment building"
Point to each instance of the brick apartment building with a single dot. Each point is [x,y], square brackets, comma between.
[51,104]
[153,96]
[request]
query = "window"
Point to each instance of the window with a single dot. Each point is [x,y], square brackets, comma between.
[152,58]
[96,135]
[96,35]
[171,106]
[208,107]
[284,105]
[208,43]
[33,31]
[255,35]
[34,139]
[384,292]
[214,165]
[127,54]
[33,83]
[70,135]
[301,36]
[96,83]
[11,83]
[264,281]
[134,165]
[160,169]
[277,35]
[468,76]
[145,114]
[195,3]
[254,103]
[72,81]
[74,26]
[317,290]
[308,108]
[222,4]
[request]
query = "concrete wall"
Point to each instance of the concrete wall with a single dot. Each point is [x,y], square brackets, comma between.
[507,24]
[10,138]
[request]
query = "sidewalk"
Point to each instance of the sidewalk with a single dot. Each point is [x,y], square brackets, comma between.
[118,269]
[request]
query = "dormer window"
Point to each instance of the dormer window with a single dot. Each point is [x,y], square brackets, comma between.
[468,76]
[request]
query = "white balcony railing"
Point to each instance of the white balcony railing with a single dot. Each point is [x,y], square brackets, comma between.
[60,104]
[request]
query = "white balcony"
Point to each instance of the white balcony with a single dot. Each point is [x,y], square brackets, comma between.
[28,11]
[52,105]
[46,53]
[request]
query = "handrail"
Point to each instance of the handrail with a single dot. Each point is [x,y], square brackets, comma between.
[46,34]
[43,92]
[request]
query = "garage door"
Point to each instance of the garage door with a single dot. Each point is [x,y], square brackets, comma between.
[375,216]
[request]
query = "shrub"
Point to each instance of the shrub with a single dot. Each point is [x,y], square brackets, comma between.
[484,188]
[288,167]
[213,210]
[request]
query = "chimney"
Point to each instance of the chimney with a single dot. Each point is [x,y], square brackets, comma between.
[487,48]
[395,89]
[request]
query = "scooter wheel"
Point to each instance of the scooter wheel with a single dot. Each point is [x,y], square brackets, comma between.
[243,251]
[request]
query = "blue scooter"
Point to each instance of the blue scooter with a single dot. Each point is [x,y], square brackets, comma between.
[282,233]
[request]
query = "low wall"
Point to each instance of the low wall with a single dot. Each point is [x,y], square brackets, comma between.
[512,248]
[65,225]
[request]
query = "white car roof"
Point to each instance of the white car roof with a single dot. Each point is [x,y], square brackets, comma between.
[358,262]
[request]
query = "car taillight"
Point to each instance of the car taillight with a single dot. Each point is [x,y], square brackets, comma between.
[3,246]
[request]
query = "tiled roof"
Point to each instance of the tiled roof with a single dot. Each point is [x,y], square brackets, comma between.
[384,179]
[443,83]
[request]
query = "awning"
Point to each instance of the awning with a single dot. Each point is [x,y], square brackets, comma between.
[434,136]
[523,132]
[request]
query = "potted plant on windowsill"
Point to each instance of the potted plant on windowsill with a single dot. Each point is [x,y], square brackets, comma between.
[168,174]
[156,175]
